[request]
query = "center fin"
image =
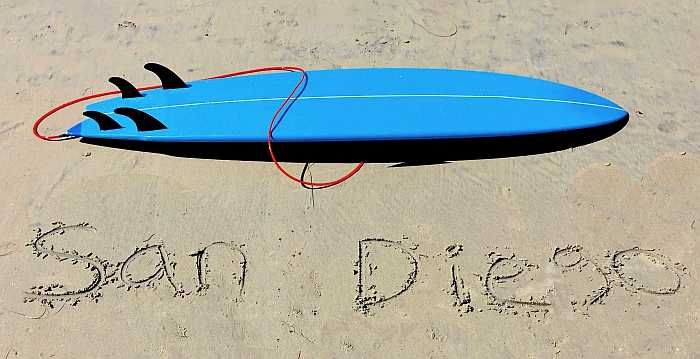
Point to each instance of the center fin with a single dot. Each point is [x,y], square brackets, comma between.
[167,77]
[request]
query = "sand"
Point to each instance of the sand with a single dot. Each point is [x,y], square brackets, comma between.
[588,252]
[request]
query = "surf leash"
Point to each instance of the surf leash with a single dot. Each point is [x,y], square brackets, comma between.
[303,78]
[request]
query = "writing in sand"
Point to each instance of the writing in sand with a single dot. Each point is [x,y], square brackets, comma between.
[384,270]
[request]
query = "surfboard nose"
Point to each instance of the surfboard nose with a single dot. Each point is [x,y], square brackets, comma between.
[607,116]
[606,112]
[582,108]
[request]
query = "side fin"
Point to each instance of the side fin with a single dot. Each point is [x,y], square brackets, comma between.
[143,121]
[167,77]
[128,90]
[105,122]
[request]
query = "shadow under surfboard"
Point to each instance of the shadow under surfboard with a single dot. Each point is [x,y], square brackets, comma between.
[405,153]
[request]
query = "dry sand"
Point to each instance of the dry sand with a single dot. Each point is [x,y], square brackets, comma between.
[589,252]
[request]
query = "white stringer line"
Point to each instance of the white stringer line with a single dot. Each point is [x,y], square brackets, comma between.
[301,98]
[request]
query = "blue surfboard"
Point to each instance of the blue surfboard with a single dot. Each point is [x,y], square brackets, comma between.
[363,104]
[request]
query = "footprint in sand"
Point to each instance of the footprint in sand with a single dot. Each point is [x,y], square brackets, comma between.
[7,249]
[660,208]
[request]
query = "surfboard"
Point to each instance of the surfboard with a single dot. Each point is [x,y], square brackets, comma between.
[361,104]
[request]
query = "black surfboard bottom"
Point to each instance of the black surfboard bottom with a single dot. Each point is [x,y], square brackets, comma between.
[414,152]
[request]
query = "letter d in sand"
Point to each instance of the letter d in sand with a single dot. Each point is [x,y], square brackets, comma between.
[385,270]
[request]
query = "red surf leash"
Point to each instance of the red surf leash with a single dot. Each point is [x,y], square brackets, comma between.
[35,128]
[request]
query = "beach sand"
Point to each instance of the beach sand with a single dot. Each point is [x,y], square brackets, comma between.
[587,252]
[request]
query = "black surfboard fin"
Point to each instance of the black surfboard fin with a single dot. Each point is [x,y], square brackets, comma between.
[167,77]
[127,89]
[143,121]
[105,122]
